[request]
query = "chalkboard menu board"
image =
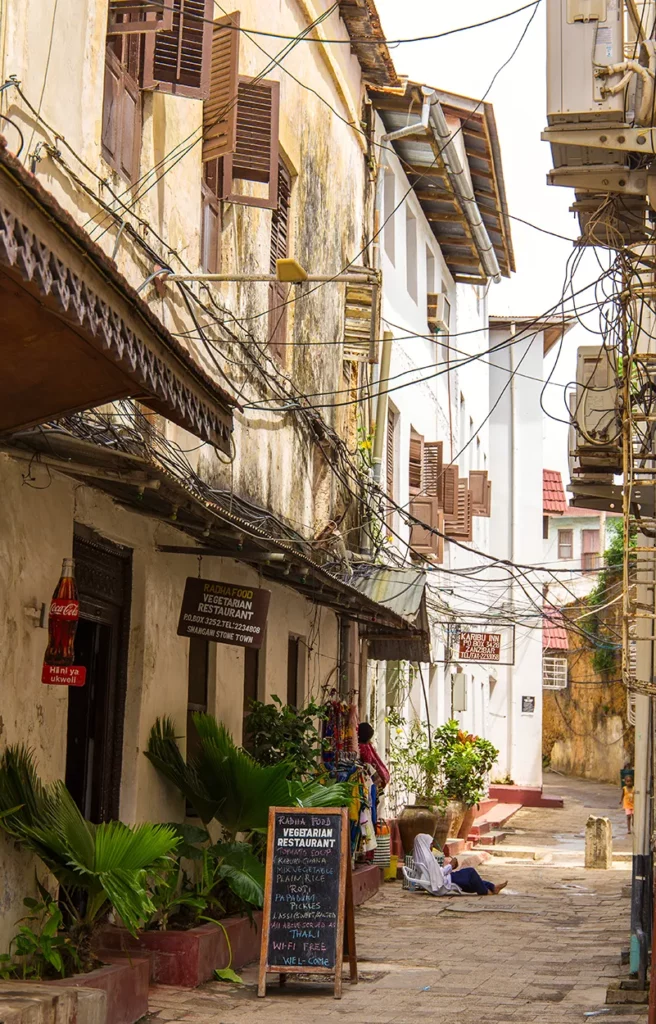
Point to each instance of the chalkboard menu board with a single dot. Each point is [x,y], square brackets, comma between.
[305,892]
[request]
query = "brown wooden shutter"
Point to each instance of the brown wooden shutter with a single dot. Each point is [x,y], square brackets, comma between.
[127,17]
[210,231]
[433,471]
[450,490]
[220,109]
[415,462]
[460,526]
[389,462]
[480,488]
[121,118]
[279,250]
[256,153]
[178,61]
[422,540]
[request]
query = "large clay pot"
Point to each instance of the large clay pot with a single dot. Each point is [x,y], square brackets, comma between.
[444,827]
[413,820]
[458,809]
[467,822]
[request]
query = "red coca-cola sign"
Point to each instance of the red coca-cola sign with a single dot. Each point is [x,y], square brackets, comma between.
[65,609]
[64,675]
[58,667]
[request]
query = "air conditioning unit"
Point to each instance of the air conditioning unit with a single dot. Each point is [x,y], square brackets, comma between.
[439,312]
[595,437]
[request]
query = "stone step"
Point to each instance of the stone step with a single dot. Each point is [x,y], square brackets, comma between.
[621,992]
[527,796]
[28,1002]
[491,838]
[453,847]
[485,806]
[517,852]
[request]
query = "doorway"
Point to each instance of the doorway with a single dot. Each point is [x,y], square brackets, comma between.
[96,711]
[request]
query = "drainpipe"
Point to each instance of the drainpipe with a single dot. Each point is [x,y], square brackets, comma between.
[381,405]
[463,189]
[510,694]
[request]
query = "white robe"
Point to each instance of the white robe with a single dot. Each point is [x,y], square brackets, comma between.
[431,876]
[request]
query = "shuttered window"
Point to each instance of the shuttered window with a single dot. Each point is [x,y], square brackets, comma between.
[127,17]
[415,462]
[210,230]
[450,490]
[220,108]
[279,250]
[256,153]
[481,491]
[424,541]
[178,61]
[460,525]
[433,478]
[565,544]
[121,114]
[590,557]
[390,473]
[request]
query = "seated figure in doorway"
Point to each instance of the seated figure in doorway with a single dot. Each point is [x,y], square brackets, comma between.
[447,880]
[369,755]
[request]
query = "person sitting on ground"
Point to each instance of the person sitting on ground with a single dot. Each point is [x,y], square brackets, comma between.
[369,755]
[449,879]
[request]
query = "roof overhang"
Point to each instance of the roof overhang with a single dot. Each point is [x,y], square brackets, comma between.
[74,334]
[553,328]
[368,42]
[423,163]
[138,480]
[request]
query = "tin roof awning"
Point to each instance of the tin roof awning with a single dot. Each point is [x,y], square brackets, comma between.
[473,129]
[402,591]
[368,41]
[74,334]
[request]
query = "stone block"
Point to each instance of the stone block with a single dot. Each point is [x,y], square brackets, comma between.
[598,843]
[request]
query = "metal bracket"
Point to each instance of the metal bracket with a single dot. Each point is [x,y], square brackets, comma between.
[601,178]
[629,140]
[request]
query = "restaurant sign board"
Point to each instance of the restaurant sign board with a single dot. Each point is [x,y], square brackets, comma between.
[226,613]
[479,647]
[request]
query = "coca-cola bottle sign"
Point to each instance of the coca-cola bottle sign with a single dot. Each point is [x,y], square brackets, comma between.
[58,667]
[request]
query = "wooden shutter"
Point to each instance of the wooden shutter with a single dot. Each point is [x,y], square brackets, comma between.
[450,490]
[178,61]
[220,109]
[433,471]
[415,462]
[210,231]
[460,526]
[279,250]
[256,152]
[127,17]
[590,549]
[121,118]
[389,462]
[422,540]
[480,488]
[361,321]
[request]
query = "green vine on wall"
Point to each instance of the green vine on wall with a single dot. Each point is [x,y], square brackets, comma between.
[602,640]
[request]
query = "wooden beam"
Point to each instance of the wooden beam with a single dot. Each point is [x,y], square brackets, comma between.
[440,217]
[456,240]
[430,171]
[463,261]
[435,196]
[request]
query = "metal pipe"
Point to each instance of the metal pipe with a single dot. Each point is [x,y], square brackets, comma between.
[382,404]
[418,127]
[244,278]
[463,189]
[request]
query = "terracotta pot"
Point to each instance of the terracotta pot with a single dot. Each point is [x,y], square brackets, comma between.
[444,827]
[413,820]
[458,815]
[467,822]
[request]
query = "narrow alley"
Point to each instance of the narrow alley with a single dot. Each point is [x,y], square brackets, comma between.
[545,950]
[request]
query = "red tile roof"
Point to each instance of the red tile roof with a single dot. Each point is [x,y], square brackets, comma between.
[554,633]
[553,493]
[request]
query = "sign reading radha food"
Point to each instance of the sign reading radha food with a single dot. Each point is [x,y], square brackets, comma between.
[479,647]
[226,613]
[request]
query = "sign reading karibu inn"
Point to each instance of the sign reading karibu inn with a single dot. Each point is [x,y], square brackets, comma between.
[226,613]
[479,647]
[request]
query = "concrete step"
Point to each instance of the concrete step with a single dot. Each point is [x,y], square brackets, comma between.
[454,847]
[485,806]
[28,1002]
[517,852]
[493,819]
[491,838]
[527,796]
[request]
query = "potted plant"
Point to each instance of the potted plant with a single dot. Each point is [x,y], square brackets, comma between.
[466,761]
[416,767]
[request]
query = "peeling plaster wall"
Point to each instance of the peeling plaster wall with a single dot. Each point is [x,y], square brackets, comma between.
[325,155]
[36,532]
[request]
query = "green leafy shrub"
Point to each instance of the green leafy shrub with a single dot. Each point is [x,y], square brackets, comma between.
[42,948]
[279,732]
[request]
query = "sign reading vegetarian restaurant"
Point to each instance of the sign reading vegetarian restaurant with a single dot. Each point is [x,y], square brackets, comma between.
[479,647]
[227,613]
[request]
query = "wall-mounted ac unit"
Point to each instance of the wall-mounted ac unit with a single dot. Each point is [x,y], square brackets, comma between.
[596,431]
[439,312]
[582,37]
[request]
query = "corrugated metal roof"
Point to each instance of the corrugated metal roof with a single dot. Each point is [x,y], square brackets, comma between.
[553,492]
[398,590]
[554,633]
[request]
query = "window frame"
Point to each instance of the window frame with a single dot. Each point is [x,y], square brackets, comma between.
[562,543]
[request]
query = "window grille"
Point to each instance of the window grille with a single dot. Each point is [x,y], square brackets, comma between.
[554,673]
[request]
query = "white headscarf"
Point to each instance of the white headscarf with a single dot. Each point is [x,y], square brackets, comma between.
[429,870]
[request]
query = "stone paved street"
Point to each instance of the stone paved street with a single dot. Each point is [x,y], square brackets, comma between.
[544,950]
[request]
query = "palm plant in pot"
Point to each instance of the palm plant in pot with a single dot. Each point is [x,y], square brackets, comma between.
[97,867]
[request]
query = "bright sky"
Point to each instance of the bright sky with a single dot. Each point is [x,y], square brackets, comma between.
[466,63]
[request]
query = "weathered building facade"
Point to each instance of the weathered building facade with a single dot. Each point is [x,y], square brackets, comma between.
[139,152]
